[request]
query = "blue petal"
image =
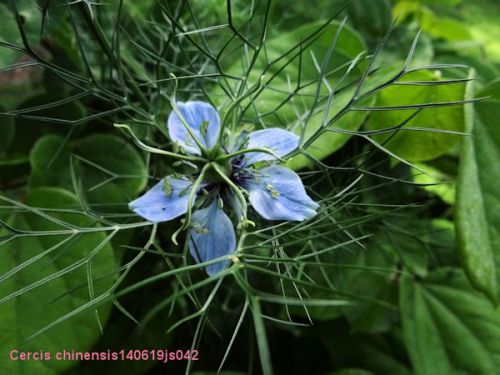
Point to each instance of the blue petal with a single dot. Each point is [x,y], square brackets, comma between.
[277,193]
[157,205]
[280,141]
[194,113]
[211,236]
[235,142]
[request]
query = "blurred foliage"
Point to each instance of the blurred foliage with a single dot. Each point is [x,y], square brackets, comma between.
[396,103]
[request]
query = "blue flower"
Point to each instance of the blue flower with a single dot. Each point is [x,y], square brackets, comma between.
[233,169]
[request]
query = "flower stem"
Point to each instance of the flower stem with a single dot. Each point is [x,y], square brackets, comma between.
[183,120]
[235,188]
[191,198]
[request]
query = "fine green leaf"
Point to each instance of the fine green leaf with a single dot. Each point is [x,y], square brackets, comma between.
[283,104]
[34,309]
[423,54]
[478,204]
[449,328]
[30,16]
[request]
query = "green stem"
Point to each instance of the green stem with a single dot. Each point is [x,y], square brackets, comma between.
[101,38]
[183,120]
[234,104]
[235,188]
[192,194]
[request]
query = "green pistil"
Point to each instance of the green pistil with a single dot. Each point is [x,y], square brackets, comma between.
[167,187]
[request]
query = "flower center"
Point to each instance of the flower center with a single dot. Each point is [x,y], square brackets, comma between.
[213,175]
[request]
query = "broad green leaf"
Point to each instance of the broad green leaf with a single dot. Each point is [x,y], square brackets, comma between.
[426,244]
[37,116]
[371,17]
[352,371]
[481,18]
[442,2]
[470,28]
[108,167]
[438,26]
[32,310]
[418,244]
[9,32]
[6,133]
[30,124]
[116,161]
[49,161]
[379,354]
[426,143]
[282,104]
[449,328]
[373,309]
[442,238]
[478,202]
[139,11]
[486,70]
[436,182]
[12,164]
[445,3]
[143,336]
[18,85]
[13,167]
[408,247]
